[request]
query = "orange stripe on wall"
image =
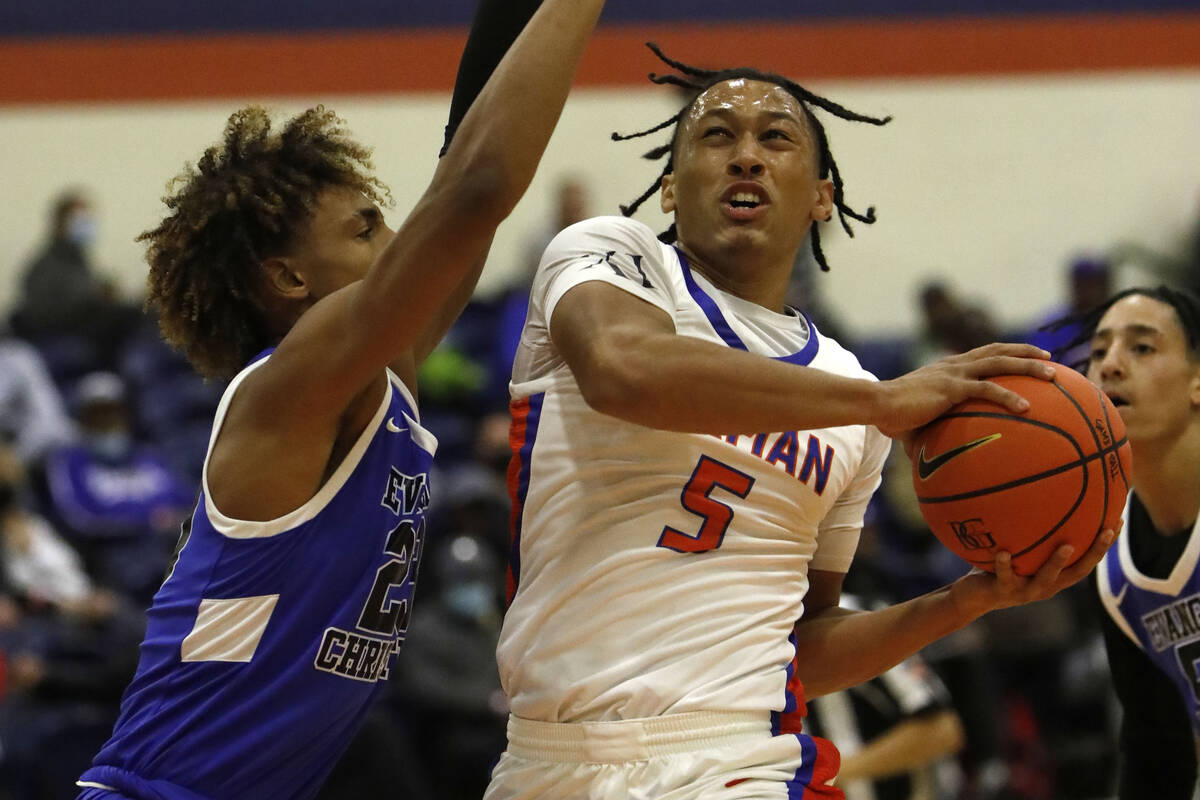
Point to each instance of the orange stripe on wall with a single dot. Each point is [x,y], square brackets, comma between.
[191,67]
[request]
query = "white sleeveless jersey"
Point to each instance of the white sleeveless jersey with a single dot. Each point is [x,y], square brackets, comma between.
[655,572]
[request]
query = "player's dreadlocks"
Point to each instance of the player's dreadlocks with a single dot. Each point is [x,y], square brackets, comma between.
[697,81]
[1186,305]
[242,203]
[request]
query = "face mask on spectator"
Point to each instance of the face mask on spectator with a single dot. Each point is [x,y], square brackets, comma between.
[110,446]
[82,229]
[470,600]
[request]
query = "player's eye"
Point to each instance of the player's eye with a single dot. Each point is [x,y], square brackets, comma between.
[715,130]
[367,233]
[776,133]
[1097,354]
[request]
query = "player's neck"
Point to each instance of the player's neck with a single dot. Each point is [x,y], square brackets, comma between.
[1167,481]
[757,280]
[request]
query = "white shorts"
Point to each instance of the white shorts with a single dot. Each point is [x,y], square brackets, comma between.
[695,756]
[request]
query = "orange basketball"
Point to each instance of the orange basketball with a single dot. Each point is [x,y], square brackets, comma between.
[989,480]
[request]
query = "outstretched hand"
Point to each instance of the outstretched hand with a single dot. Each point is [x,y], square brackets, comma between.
[918,397]
[980,592]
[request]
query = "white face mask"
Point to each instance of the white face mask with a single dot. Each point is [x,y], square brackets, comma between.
[82,229]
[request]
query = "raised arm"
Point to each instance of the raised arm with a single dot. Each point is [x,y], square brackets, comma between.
[497,25]
[297,413]
[484,173]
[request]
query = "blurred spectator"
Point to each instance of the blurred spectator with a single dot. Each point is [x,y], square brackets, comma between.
[119,501]
[447,681]
[61,294]
[949,325]
[895,732]
[572,203]
[1089,283]
[69,648]
[32,416]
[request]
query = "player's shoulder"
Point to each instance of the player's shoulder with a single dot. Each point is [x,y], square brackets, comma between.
[832,356]
[608,232]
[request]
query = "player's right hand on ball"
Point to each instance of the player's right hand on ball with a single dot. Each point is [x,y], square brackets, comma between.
[922,395]
[980,592]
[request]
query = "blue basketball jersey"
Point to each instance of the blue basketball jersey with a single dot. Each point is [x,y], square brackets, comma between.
[268,641]
[1160,616]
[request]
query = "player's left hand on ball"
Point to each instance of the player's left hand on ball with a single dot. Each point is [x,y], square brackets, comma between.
[916,398]
[1005,588]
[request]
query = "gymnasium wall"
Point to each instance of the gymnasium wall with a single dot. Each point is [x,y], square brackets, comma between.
[1020,138]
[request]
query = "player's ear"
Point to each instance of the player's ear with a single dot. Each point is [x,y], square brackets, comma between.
[280,278]
[666,198]
[1194,386]
[823,207]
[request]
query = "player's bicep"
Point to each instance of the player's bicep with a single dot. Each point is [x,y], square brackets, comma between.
[595,324]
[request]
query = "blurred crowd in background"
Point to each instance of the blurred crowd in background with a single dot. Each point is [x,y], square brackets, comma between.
[103,431]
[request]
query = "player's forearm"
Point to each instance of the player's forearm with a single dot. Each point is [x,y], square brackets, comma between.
[449,312]
[906,746]
[504,133]
[497,25]
[679,383]
[831,655]
[406,299]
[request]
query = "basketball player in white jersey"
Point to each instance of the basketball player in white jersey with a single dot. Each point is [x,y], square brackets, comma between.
[692,461]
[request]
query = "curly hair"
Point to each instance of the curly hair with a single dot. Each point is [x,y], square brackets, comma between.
[696,81]
[243,202]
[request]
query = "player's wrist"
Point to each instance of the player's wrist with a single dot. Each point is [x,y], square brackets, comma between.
[883,402]
[970,597]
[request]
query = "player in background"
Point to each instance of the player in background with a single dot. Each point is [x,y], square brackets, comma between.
[286,605]
[692,461]
[1145,355]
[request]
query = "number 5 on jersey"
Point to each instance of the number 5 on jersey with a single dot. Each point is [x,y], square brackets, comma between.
[709,474]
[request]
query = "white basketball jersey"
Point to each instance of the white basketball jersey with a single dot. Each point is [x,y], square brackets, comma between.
[655,572]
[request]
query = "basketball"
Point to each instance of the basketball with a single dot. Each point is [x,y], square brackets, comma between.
[990,480]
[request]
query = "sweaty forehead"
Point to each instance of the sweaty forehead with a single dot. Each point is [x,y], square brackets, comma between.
[1139,313]
[745,95]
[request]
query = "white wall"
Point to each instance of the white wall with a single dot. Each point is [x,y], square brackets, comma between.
[993,183]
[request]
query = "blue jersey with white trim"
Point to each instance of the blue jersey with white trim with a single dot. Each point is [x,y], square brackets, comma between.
[269,640]
[1160,615]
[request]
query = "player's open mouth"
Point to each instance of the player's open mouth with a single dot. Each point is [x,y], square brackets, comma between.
[1117,400]
[745,201]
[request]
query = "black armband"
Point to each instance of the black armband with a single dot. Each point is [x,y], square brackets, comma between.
[497,25]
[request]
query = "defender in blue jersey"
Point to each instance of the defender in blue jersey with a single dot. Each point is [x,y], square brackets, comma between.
[1145,355]
[291,594]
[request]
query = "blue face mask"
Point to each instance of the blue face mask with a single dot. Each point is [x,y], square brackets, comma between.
[82,229]
[111,446]
[473,600]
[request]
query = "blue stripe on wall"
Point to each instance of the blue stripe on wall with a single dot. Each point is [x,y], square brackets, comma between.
[39,18]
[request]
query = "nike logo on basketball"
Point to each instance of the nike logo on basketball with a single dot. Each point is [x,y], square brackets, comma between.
[926,467]
[391,425]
